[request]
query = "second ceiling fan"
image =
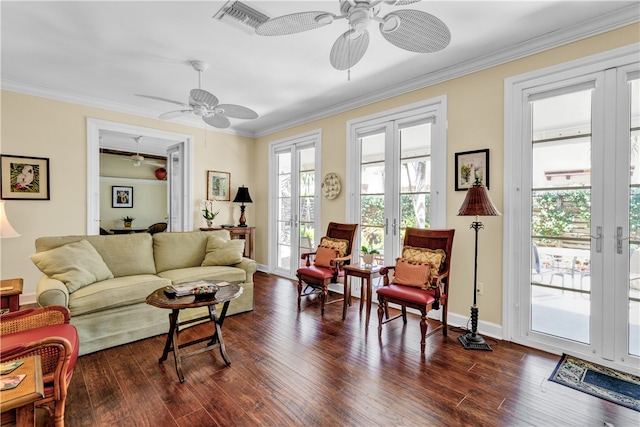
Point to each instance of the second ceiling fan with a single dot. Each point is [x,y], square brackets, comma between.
[408,29]
[205,104]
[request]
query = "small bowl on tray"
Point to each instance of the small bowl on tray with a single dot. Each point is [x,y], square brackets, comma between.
[205,292]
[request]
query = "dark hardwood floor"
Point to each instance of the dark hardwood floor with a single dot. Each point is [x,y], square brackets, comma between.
[291,368]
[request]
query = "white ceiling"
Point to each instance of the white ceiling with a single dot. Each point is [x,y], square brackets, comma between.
[102,53]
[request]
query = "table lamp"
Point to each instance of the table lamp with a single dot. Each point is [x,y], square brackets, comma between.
[6,230]
[476,203]
[242,196]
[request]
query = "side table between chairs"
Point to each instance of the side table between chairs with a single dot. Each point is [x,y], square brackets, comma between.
[367,273]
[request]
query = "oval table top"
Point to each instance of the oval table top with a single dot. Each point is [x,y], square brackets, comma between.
[226,293]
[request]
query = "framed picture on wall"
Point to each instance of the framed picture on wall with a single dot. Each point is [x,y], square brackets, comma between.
[121,197]
[218,186]
[471,165]
[24,178]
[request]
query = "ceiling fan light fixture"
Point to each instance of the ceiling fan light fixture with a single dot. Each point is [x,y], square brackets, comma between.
[390,23]
[359,18]
[324,19]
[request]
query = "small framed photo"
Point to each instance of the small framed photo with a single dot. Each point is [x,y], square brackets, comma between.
[121,197]
[471,165]
[218,186]
[24,178]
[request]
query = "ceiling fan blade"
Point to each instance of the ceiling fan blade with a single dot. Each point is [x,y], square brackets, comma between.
[294,23]
[237,111]
[157,98]
[417,31]
[217,121]
[202,97]
[346,51]
[406,2]
[172,114]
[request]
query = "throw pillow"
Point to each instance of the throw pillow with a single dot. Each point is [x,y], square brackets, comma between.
[412,273]
[324,256]
[75,264]
[341,245]
[434,257]
[223,252]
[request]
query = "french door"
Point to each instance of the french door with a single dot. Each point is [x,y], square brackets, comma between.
[294,197]
[578,201]
[398,169]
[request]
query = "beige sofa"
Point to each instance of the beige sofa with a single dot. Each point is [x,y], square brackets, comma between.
[107,303]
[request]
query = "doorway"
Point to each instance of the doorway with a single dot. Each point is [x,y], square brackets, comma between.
[573,222]
[176,147]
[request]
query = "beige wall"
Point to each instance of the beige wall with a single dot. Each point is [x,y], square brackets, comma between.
[475,121]
[45,128]
[33,126]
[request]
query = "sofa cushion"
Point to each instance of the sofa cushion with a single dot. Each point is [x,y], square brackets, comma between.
[223,252]
[113,293]
[75,264]
[183,275]
[115,250]
[182,249]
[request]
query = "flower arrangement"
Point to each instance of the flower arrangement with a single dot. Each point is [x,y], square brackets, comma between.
[367,254]
[127,220]
[208,214]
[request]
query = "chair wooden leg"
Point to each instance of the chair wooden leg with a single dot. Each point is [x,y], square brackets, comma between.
[299,292]
[423,330]
[404,314]
[444,318]
[324,295]
[381,310]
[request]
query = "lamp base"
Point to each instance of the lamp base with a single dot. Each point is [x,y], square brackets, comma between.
[471,341]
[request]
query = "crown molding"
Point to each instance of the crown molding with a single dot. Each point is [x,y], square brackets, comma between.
[13,86]
[617,19]
[602,24]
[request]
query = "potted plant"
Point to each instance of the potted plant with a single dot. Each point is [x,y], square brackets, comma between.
[367,255]
[208,214]
[127,221]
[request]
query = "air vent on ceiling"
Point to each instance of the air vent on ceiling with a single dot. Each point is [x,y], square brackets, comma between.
[236,12]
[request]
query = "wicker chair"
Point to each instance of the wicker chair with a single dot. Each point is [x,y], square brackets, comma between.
[45,332]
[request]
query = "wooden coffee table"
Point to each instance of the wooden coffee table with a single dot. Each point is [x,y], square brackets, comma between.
[224,295]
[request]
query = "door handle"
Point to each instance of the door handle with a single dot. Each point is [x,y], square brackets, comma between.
[620,239]
[598,238]
[386,226]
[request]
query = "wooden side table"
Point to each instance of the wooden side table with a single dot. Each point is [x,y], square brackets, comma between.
[10,298]
[367,273]
[22,398]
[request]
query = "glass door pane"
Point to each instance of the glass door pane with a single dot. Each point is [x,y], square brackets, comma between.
[284,211]
[372,193]
[415,177]
[634,220]
[307,185]
[561,216]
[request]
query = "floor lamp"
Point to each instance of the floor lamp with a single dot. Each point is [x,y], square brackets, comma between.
[477,203]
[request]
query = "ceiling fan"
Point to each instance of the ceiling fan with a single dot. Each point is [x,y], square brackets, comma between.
[137,160]
[408,29]
[205,104]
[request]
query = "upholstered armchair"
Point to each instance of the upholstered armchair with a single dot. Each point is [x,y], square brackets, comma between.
[45,332]
[419,279]
[324,266]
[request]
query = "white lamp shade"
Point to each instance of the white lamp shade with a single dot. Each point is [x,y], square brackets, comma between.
[6,230]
